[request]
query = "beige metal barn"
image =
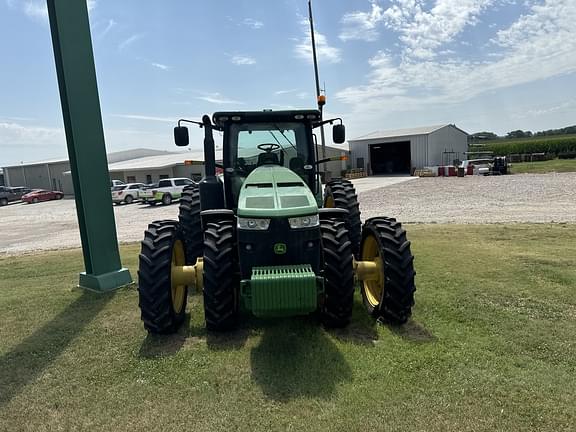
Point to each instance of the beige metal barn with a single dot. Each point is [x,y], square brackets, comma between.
[401,151]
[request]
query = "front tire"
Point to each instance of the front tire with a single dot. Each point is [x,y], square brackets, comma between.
[392,296]
[162,304]
[338,274]
[340,193]
[221,276]
[3,202]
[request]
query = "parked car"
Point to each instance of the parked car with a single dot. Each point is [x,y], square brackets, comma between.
[38,195]
[114,183]
[479,166]
[9,194]
[165,191]
[126,193]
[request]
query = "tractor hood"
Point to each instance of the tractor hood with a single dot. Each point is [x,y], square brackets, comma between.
[275,191]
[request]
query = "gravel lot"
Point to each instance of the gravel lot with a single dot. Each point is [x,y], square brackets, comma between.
[519,198]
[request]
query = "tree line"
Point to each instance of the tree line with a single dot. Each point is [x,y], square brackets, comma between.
[515,134]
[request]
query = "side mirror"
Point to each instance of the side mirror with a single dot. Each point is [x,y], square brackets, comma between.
[339,133]
[181,136]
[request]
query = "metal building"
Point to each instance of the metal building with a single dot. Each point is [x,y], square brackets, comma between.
[54,174]
[401,151]
[132,166]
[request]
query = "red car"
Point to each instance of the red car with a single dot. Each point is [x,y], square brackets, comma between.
[41,195]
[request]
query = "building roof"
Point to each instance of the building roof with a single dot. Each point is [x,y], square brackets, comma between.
[112,157]
[422,130]
[159,162]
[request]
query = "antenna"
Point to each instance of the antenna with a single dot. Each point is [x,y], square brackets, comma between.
[320,100]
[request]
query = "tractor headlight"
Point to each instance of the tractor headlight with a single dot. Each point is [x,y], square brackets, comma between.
[258,224]
[304,221]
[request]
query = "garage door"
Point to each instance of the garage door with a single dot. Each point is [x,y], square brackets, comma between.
[390,158]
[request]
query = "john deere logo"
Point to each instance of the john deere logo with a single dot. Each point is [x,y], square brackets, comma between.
[279,248]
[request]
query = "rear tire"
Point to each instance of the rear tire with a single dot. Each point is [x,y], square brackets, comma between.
[162,313]
[129,199]
[3,202]
[221,276]
[189,217]
[386,239]
[338,274]
[340,193]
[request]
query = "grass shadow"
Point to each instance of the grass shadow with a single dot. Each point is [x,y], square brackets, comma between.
[362,330]
[296,359]
[157,346]
[358,333]
[413,332]
[230,340]
[26,361]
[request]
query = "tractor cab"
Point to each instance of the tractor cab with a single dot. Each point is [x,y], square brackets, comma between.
[252,140]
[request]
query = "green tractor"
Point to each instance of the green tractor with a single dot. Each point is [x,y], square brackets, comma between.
[265,237]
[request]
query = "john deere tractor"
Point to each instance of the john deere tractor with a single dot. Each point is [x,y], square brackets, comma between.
[265,237]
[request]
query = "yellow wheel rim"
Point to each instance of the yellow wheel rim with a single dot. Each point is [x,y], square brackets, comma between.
[329,203]
[373,289]
[178,291]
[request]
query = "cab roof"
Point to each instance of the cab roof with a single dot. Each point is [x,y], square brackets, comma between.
[222,117]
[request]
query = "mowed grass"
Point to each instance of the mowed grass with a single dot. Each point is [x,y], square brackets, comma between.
[541,167]
[490,347]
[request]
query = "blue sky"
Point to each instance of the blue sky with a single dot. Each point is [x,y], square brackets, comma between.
[495,65]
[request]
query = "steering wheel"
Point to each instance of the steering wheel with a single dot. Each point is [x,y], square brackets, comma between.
[268,147]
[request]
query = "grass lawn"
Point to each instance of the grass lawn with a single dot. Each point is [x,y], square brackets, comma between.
[491,347]
[554,165]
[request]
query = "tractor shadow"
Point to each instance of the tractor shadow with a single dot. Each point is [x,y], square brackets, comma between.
[413,331]
[362,330]
[26,361]
[231,340]
[296,358]
[158,346]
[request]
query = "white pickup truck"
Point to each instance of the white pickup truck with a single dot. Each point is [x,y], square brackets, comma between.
[165,191]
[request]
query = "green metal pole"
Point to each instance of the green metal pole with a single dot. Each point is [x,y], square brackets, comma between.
[72,44]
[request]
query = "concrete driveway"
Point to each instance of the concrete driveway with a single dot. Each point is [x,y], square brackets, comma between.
[374,182]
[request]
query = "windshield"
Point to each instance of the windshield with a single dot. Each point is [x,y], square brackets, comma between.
[284,144]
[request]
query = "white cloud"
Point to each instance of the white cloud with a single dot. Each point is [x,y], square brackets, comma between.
[253,23]
[283,92]
[129,41]
[109,26]
[161,66]
[36,10]
[362,25]
[146,118]
[422,32]
[543,111]
[539,45]
[326,52]
[15,137]
[242,60]
[217,98]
